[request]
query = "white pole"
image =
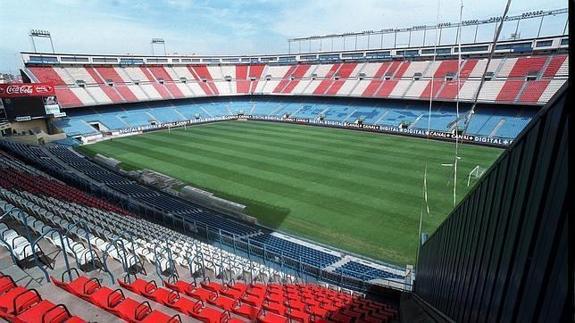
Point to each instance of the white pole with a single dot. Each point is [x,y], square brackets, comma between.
[457,107]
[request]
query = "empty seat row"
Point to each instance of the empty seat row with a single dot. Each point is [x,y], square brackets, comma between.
[389,114]
[114,301]
[20,304]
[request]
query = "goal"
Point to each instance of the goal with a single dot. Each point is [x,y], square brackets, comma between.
[475,174]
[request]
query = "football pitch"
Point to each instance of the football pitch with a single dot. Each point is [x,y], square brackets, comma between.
[357,191]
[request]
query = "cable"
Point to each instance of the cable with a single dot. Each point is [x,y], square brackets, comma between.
[459,67]
[425,196]
[469,114]
[495,39]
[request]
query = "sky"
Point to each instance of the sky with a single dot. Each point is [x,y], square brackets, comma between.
[232,26]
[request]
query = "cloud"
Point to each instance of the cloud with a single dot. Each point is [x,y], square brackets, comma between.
[306,18]
[217,26]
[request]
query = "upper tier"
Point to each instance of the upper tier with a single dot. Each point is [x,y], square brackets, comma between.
[84,80]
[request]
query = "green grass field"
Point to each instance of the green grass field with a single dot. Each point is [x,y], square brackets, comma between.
[354,190]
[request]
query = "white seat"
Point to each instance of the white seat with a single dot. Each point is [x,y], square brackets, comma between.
[9,235]
[98,243]
[23,251]
[18,242]
[3,227]
[84,256]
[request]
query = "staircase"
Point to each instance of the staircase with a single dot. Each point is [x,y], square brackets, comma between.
[499,125]
[5,125]
[337,264]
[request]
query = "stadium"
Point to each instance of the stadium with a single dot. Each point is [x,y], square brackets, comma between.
[422,179]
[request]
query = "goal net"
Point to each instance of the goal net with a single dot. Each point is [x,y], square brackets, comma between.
[475,174]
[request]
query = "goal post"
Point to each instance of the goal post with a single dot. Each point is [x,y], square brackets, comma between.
[475,174]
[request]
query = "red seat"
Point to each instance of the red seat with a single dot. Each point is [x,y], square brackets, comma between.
[46,312]
[128,309]
[180,304]
[232,292]
[190,289]
[257,291]
[148,289]
[6,283]
[278,308]
[198,293]
[330,307]
[318,311]
[213,286]
[239,286]
[107,298]
[351,313]
[137,286]
[339,317]
[297,315]
[273,297]
[296,305]
[253,299]
[160,317]
[20,304]
[170,298]
[255,286]
[245,310]
[221,301]
[132,310]
[293,296]
[180,286]
[205,314]
[160,295]
[17,300]
[81,286]
[269,317]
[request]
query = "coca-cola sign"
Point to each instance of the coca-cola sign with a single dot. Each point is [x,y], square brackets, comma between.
[13,90]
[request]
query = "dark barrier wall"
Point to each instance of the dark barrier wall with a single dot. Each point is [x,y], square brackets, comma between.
[501,256]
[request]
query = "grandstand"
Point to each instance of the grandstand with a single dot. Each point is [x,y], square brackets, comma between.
[87,237]
[516,80]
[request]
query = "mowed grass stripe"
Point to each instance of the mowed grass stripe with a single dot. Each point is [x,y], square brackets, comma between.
[391,155]
[328,145]
[340,185]
[413,178]
[342,176]
[393,152]
[292,160]
[336,136]
[374,158]
[203,152]
[364,197]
